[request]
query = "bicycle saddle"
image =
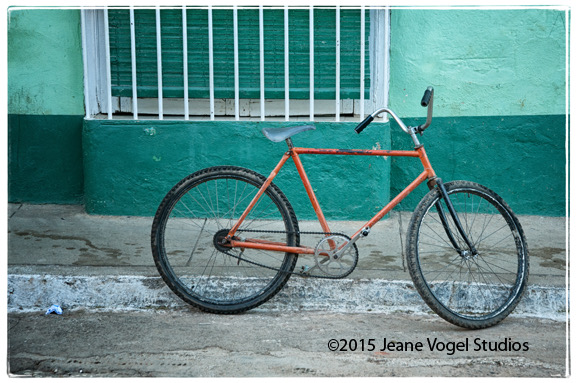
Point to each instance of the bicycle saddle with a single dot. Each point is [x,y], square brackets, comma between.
[280,134]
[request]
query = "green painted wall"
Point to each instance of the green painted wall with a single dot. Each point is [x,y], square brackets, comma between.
[500,111]
[130,165]
[45,106]
[481,62]
[500,100]
[45,159]
[45,62]
[522,158]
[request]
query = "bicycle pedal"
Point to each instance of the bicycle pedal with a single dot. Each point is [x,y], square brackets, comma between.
[305,271]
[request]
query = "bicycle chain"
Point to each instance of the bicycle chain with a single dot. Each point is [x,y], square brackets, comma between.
[299,273]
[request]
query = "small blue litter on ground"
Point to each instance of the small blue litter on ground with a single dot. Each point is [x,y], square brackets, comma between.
[54,309]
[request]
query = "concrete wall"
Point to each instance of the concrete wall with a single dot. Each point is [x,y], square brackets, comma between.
[482,62]
[130,166]
[500,118]
[45,106]
[500,99]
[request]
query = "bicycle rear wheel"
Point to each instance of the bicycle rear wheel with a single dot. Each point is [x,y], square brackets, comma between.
[468,290]
[190,224]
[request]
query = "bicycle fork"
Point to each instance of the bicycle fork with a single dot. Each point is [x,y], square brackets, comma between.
[444,195]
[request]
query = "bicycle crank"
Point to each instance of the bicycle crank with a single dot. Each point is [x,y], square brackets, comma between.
[335,256]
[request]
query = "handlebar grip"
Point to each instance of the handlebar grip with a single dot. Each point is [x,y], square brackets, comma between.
[361,126]
[427,96]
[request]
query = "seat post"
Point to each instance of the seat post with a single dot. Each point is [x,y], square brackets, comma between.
[289,142]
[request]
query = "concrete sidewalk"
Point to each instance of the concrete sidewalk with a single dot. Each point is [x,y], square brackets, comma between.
[58,254]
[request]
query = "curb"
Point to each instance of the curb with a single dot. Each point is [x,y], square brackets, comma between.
[33,292]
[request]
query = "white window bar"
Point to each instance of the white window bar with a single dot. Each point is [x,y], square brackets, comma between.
[159,64]
[337,63]
[85,59]
[386,86]
[362,58]
[379,52]
[236,66]
[311,63]
[133,56]
[286,66]
[262,81]
[185,61]
[108,70]
[211,61]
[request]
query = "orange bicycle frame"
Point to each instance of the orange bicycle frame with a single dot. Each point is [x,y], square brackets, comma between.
[294,153]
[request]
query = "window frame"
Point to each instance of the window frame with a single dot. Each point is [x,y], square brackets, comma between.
[101,104]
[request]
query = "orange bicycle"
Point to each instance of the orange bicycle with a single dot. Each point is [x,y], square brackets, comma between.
[226,239]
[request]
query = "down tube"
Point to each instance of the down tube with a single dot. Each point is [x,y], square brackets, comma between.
[259,194]
[413,185]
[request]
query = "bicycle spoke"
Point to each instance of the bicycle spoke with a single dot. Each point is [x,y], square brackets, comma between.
[196,244]
[207,272]
[469,289]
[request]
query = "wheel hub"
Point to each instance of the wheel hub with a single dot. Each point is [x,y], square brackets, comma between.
[466,254]
[220,240]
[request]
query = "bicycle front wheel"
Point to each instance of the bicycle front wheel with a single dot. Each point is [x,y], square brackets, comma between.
[189,227]
[469,290]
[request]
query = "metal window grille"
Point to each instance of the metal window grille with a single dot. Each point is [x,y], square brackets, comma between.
[102,103]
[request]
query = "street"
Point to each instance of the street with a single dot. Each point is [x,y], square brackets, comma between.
[188,343]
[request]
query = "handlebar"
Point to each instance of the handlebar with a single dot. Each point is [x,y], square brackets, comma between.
[361,126]
[427,101]
[427,96]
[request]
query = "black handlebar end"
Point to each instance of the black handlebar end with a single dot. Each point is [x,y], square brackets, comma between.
[361,126]
[427,96]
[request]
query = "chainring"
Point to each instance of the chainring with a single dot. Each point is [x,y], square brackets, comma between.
[334,258]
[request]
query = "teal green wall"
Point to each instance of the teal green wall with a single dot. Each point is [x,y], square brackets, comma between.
[522,158]
[481,62]
[500,106]
[500,100]
[130,165]
[45,106]
[45,159]
[45,62]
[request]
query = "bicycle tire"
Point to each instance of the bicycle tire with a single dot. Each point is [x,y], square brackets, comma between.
[470,291]
[185,249]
